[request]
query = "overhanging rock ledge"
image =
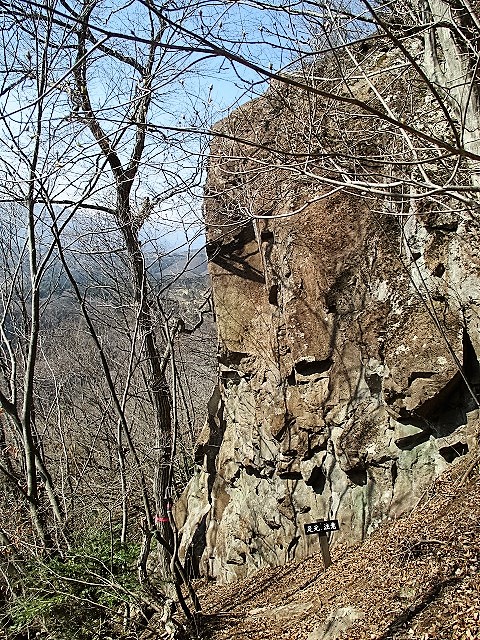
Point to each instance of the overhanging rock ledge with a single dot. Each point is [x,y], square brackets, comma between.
[338,396]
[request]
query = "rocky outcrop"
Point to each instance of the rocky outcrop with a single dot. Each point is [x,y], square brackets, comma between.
[347,365]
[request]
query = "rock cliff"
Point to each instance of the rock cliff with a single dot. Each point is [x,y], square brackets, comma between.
[348,343]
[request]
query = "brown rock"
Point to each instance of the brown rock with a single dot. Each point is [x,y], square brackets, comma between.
[340,391]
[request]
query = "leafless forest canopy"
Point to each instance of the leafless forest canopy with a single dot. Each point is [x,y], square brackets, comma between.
[107,118]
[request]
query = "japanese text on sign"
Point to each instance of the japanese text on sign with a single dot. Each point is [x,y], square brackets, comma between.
[322,527]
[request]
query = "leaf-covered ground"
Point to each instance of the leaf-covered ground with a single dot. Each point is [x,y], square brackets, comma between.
[414,578]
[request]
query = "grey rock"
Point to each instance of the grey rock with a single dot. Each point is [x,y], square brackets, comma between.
[337,622]
[338,395]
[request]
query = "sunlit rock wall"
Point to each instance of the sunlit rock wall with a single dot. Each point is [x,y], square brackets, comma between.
[341,333]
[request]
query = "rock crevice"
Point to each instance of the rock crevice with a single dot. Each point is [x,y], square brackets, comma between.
[345,341]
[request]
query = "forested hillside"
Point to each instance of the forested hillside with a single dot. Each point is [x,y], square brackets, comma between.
[328,155]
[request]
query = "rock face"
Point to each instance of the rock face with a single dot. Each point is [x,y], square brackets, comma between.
[347,363]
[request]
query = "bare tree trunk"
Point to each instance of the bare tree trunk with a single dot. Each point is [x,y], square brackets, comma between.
[451,64]
[155,376]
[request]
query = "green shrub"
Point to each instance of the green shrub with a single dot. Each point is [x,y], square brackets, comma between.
[79,595]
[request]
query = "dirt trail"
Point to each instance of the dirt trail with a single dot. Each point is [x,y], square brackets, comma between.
[414,578]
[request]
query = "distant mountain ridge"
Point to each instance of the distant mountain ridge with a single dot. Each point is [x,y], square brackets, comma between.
[186,264]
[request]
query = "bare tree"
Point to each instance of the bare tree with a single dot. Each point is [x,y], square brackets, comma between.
[73,145]
[105,112]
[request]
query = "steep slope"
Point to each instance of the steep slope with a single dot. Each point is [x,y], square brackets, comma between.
[415,578]
[348,339]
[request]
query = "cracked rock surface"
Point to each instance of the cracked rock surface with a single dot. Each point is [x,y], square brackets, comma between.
[414,578]
[345,340]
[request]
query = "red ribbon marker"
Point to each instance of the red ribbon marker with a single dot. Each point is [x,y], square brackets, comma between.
[159,519]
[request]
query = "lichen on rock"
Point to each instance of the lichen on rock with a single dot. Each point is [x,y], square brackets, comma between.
[346,337]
